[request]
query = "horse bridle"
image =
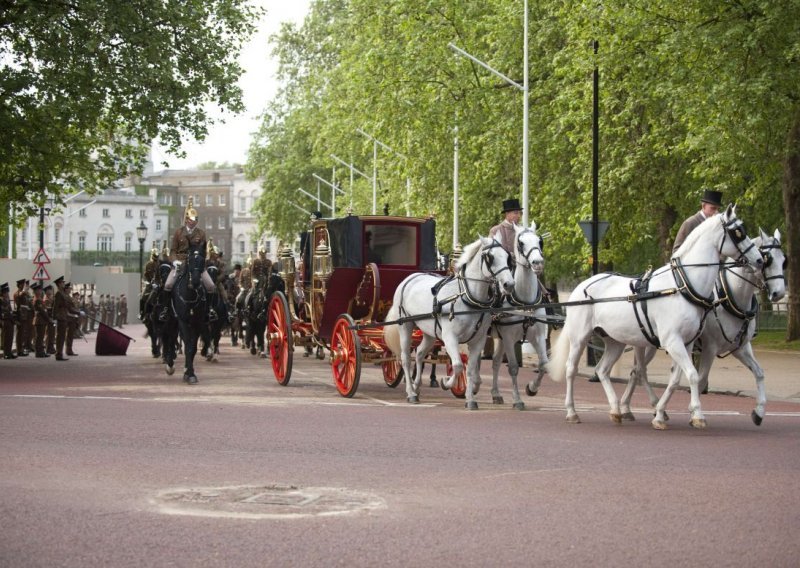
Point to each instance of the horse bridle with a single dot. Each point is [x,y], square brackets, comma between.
[767,256]
[487,259]
[522,252]
[735,231]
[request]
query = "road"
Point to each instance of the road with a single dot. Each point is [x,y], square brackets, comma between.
[109,462]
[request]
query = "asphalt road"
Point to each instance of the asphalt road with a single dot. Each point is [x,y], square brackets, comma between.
[109,462]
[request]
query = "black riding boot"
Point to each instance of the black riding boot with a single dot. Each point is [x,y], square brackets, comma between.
[163,299]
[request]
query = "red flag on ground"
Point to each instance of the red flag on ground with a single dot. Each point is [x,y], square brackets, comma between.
[110,341]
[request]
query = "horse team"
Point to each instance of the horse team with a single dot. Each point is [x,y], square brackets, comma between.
[705,295]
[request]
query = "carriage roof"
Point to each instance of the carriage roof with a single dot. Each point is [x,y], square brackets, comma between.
[399,241]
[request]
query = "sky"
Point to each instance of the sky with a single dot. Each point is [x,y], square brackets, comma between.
[229,142]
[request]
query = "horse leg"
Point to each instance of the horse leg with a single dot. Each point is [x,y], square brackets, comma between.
[423,349]
[575,346]
[613,350]
[748,359]
[633,378]
[434,382]
[537,335]
[497,360]
[682,362]
[405,330]
[190,347]
[474,351]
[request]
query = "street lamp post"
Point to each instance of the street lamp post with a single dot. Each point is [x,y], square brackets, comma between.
[141,234]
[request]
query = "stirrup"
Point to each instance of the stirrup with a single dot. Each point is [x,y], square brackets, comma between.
[212,315]
[163,315]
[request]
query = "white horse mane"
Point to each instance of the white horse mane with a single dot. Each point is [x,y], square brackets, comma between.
[699,233]
[469,253]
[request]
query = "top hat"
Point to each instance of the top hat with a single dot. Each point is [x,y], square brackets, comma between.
[712,197]
[511,205]
[316,215]
[3,287]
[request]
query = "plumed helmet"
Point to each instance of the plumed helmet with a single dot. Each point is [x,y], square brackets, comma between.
[190,212]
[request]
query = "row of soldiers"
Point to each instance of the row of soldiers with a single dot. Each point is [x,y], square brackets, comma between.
[45,321]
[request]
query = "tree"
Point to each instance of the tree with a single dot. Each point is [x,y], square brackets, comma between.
[86,85]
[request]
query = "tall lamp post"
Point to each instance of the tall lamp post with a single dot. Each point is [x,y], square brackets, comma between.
[141,234]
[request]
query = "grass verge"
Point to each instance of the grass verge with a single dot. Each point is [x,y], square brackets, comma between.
[776,340]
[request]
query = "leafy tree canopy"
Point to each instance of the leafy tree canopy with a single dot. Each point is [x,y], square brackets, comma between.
[85,85]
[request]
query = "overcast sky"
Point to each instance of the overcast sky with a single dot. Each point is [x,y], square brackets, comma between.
[229,142]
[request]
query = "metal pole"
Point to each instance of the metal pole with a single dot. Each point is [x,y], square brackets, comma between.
[41,227]
[374,176]
[333,192]
[455,189]
[595,160]
[525,122]
[141,263]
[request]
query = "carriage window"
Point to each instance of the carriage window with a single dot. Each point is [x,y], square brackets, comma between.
[390,244]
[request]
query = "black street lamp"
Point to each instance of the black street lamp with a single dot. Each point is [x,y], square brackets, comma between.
[141,234]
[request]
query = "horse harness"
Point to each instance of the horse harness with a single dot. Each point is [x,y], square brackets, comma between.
[464,293]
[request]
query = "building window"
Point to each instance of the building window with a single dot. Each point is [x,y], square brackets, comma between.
[127,243]
[128,213]
[209,223]
[106,214]
[165,199]
[253,246]
[82,212]
[104,242]
[56,234]
[158,224]
[268,247]
[184,200]
[197,201]
[142,213]
[221,245]
[209,200]
[243,204]
[241,247]
[221,222]
[81,241]
[223,200]
[24,235]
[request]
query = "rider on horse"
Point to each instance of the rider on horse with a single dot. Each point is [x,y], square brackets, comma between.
[186,237]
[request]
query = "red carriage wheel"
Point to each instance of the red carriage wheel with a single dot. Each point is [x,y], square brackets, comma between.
[345,356]
[392,370]
[459,389]
[279,335]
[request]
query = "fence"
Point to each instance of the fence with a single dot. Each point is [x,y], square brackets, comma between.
[129,261]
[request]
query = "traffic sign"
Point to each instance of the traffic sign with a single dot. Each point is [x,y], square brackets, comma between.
[41,273]
[586,227]
[41,257]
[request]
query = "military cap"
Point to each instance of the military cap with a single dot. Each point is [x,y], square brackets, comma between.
[3,287]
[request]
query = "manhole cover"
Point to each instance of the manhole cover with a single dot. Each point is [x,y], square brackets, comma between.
[265,501]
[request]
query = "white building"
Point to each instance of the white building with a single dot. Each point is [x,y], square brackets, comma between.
[105,222]
[244,226]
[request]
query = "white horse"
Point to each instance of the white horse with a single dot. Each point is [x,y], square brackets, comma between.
[732,327]
[508,329]
[671,313]
[434,302]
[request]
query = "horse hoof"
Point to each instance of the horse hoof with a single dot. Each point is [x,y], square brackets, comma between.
[169,369]
[192,380]
[262,355]
[659,424]
[497,400]
[252,351]
[214,359]
[519,405]
[629,416]
[573,419]
[616,418]
[413,399]
[209,357]
[471,405]
[756,418]
[444,385]
[530,392]
[699,423]
[434,383]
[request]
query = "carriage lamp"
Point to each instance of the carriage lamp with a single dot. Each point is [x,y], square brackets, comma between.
[322,261]
[287,265]
[141,235]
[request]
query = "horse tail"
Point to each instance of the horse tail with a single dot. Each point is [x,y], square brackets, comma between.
[391,333]
[557,367]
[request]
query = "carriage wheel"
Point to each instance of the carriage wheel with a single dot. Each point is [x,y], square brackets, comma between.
[459,390]
[345,356]
[392,370]
[279,335]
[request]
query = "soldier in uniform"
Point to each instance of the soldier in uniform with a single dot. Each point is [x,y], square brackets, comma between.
[61,314]
[189,235]
[41,320]
[213,259]
[91,311]
[84,310]
[150,274]
[7,321]
[123,310]
[262,266]
[24,315]
[73,315]
[232,290]
[50,332]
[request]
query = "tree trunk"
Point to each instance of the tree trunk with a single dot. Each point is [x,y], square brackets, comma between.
[667,217]
[791,205]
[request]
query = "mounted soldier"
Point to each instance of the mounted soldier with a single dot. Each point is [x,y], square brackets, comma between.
[189,235]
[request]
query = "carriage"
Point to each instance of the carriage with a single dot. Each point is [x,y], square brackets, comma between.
[338,294]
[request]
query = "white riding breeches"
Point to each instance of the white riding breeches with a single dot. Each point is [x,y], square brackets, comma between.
[208,284]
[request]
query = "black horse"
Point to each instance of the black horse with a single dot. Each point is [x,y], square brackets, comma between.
[191,309]
[147,315]
[256,311]
[165,330]
[213,331]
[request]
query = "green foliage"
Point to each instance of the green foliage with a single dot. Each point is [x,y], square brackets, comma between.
[86,85]
[693,94]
